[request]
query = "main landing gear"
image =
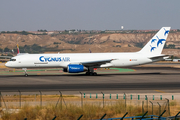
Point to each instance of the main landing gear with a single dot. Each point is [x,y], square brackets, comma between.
[25,72]
[91,72]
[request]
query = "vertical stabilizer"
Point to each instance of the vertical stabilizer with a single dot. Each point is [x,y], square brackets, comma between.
[156,44]
[18,49]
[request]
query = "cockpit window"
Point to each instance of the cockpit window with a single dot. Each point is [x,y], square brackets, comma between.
[12,59]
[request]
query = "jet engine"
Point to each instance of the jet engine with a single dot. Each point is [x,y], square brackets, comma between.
[75,68]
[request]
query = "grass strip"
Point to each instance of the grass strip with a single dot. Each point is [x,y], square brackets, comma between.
[123,69]
[73,111]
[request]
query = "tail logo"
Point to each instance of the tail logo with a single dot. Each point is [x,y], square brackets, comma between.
[153,40]
[160,41]
[152,48]
[166,32]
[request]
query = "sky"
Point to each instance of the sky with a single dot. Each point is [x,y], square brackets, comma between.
[33,15]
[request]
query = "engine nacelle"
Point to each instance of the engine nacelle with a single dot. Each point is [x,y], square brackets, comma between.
[74,68]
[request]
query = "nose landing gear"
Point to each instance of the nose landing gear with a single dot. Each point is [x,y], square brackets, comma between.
[25,71]
[26,74]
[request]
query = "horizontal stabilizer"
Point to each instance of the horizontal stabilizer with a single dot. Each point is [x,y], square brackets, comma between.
[158,57]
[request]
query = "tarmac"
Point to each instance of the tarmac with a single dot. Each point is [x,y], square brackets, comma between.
[151,78]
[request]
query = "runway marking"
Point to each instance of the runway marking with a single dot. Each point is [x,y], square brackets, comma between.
[160,91]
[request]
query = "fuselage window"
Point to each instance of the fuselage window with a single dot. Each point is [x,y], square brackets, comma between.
[12,59]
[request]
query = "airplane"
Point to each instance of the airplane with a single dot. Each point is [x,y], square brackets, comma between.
[86,62]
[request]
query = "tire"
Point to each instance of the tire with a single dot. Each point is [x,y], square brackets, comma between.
[94,73]
[91,74]
[87,73]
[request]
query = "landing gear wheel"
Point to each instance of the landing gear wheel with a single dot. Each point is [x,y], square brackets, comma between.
[91,73]
[94,73]
[25,72]
[87,73]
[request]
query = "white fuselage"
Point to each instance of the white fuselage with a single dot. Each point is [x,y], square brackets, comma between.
[63,60]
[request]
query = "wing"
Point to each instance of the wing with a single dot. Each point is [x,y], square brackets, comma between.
[96,63]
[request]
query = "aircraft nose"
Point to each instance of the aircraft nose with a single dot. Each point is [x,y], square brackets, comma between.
[7,64]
